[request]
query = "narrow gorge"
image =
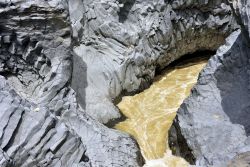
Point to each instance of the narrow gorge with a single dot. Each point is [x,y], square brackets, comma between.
[151,113]
[124,83]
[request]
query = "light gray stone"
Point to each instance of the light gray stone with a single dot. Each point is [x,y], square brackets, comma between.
[214,119]
[41,123]
[120,44]
[105,49]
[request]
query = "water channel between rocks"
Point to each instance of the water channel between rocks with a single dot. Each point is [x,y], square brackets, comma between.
[150,113]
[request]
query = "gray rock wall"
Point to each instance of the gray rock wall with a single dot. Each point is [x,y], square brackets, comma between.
[41,124]
[214,120]
[104,49]
[120,44]
[35,47]
[241,10]
[33,136]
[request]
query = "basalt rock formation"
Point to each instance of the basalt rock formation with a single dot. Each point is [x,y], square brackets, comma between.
[41,124]
[64,63]
[211,118]
[214,120]
[123,43]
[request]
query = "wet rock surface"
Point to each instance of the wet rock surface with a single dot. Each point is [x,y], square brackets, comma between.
[104,49]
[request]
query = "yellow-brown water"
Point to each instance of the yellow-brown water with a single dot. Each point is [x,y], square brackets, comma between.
[150,113]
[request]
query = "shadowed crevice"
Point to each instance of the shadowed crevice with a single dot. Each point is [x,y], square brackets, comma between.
[125,8]
[178,143]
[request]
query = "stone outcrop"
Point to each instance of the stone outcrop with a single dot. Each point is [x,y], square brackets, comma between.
[35,47]
[241,10]
[103,49]
[214,120]
[33,136]
[120,44]
[41,124]
[209,118]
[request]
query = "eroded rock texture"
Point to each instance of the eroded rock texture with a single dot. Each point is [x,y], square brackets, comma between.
[209,119]
[214,120]
[120,44]
[33,136]
[41,124]
[35,42]
[241,10]
[103,49]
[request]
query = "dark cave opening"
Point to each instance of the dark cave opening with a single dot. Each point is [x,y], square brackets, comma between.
[185,58]
[159,70]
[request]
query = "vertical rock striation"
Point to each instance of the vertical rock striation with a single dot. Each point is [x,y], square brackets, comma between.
[35,47]
[41,124]
[103,49]
[241,10]
[33,136]
[120,44]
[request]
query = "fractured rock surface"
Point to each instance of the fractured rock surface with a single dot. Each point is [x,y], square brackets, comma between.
[210,118]
[41,123]
[32,135]
[103,49]
[120,44]
[241,10]
[214,120]
[35,41]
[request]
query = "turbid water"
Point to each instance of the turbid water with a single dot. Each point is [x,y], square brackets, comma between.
[150,113]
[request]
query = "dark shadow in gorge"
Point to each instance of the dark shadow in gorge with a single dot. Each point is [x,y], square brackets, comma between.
[178,144]
[113,122]
[124,10]
[186,58]
[233,80]
[158,71]
[79,80]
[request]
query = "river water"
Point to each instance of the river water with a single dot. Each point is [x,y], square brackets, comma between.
[150,113]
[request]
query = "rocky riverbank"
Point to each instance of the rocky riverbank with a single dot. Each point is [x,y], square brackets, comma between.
[64,64]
